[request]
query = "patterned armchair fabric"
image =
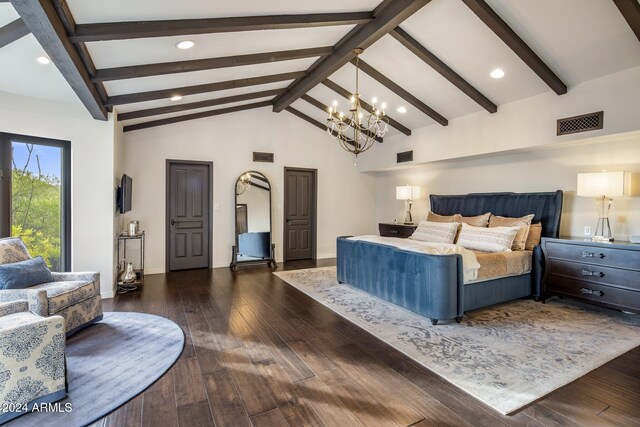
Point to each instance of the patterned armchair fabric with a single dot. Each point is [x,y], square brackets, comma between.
[32,365]
[74,296]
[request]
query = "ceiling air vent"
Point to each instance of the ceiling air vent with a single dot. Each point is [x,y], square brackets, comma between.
[405,156]
[262,157]
[583,123]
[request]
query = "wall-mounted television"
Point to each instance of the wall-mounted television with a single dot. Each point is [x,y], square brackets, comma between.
[124,194]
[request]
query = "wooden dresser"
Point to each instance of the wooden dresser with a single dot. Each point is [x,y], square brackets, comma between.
[606,274]
[396,230]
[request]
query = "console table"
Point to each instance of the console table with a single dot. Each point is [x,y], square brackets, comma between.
[606,274]
[123,239]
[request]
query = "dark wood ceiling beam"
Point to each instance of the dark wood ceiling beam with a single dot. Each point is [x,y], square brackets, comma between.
[201,104]
[314,122]
[346,94]
[131,98]
[13,31]
[180,27]
[170,120]
[443,69]
[325,108]
[517,45]
[386,18]
[41,18]
[64,13]
[148,70]
[402,93]
[630,10]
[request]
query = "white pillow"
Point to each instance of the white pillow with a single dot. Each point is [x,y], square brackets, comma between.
[437,232]
[496,239]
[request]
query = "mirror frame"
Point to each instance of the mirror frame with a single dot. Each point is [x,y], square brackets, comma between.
[270,260]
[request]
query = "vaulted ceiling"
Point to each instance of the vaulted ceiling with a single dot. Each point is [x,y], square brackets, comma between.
[431,57]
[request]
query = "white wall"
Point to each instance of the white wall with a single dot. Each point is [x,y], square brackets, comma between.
[118,170]
[541,170]
[92,154]
[523,124]
[346,198]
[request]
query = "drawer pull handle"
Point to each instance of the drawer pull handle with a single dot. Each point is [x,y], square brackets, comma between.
[592,255]
[591,292]
[393,231]
[592,273]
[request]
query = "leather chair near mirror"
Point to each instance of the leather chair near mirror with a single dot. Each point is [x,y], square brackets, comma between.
[253,237]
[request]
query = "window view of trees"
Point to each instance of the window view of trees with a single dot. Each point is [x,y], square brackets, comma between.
[36,201]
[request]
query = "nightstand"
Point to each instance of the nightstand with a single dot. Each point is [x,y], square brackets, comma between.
[387,229]
[606,274]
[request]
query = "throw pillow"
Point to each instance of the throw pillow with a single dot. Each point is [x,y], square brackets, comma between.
[12,249]
[519,242]
[476,221]
[497,239]
[433,217]
[23,274]
[437,232]
[533,239]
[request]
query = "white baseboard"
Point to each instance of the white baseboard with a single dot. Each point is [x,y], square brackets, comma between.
[107,294]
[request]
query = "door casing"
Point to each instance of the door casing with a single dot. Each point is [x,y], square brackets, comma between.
[167,219]
[314,215]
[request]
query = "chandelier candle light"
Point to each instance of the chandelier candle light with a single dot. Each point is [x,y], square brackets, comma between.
[357,130]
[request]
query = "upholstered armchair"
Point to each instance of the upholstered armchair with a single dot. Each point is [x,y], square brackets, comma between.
[74,296]
[32,364]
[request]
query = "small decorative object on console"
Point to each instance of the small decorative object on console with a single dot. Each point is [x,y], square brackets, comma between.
[606,274]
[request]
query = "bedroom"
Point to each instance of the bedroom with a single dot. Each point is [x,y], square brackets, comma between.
[515,149]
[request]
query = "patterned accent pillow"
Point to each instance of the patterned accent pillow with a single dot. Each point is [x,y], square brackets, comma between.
[523,228]
[497,239]
[12,249]
[533,239]
[437,232]
[434,217]
[476,221]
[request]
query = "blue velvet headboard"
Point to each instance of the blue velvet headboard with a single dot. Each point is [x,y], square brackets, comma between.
[546,207]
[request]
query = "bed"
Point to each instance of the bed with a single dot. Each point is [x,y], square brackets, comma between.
[433,285]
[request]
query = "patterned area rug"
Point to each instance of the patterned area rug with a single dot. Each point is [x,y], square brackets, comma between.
[507,356]
[110,363]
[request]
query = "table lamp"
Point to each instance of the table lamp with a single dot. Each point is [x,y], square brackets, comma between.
[603,186]
[408,193]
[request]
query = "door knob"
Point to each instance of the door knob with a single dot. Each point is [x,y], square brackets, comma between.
[173,221]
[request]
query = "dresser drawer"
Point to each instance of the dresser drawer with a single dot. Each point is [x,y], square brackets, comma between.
[596,255]
[629,279]
[606,295]
[396,230]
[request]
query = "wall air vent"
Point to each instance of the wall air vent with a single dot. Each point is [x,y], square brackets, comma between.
[405,156]
[582,123]
[262,157]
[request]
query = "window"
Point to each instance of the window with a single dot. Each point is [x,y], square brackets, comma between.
[35,196]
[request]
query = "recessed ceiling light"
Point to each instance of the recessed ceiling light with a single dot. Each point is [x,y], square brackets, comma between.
[498,73]
[185,44]
[176,98]
[43,60]
[401,109]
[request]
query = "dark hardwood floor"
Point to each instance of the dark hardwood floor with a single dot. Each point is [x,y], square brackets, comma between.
[259,352]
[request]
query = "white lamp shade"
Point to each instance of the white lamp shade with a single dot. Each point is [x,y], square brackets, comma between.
[610,184]
[407,192]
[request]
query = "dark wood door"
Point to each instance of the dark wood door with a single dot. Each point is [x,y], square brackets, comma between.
[299,214]
[188,209]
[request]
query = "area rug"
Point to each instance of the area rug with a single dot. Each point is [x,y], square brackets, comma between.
[108,364]
[507,356]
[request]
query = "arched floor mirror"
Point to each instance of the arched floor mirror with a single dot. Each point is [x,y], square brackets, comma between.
[253,237]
